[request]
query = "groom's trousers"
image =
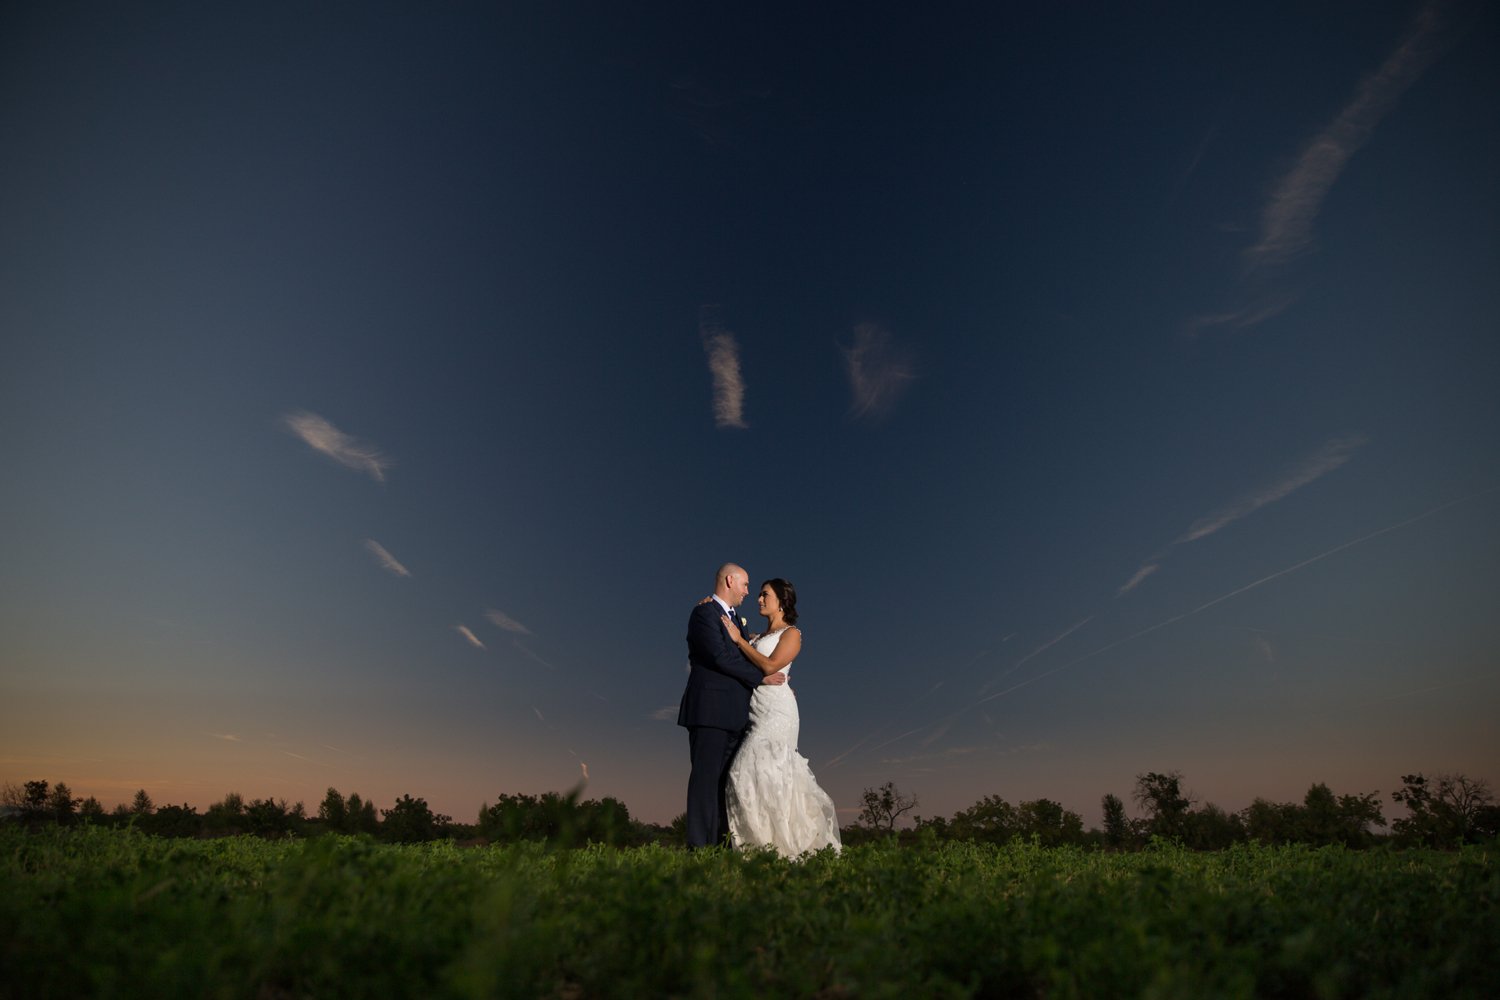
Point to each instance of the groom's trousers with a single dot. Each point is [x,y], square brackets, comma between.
[712,751]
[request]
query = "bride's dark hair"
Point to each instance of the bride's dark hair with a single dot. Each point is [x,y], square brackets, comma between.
[786,594]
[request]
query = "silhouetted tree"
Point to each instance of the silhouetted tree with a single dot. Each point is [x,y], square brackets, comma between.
[560,820]
[13,796]
[269,818]
[61,804]
[359,816]
[35,802]
[90,810]
[1269,822]
[1210,828]
[173,821]
[226,816]
[880,808]
[1049,823]
[141,805]
[1116,825]
[990,820]
[1442,812]
[410,821]
[1162,797]
[333,811]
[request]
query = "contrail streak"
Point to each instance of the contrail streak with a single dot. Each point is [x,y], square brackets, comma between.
[1249,586]
[839,758]
[1336,550]
[1039,650]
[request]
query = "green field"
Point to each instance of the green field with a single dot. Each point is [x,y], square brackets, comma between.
[94,912]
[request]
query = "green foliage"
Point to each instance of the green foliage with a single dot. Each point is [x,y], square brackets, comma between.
[88,911]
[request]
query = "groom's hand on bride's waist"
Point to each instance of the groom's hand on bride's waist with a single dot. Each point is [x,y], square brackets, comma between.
[776,678]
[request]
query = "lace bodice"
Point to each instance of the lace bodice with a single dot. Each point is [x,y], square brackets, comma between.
[766,644]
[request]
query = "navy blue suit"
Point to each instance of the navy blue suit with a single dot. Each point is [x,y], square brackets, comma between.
[715,710]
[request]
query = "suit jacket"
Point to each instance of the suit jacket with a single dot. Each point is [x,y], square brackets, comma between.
[720,679]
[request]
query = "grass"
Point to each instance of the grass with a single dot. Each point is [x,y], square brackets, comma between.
[92,912]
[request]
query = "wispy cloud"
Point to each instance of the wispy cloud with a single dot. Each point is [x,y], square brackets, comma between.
[724,365]
[1332,455]
[385,559]
[878,371]
[463,630]
[1317,465]
[1263,645]
[226,737]
[506,622]
[322,436]
[665,714]
[1288,217]
[1287,220]
[1140,575]
[539,716]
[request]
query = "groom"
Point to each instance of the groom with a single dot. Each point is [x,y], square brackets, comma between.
[716,705]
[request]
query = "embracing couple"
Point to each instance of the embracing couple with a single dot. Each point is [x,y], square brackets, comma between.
[748,781]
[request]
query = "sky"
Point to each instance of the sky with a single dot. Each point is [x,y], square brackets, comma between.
[383,385]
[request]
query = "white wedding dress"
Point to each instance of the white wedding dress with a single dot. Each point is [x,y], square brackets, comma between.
[771,797]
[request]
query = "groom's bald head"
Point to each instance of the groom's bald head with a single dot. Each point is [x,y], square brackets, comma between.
[731,583]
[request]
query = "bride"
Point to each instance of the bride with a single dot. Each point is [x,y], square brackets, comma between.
[772,798]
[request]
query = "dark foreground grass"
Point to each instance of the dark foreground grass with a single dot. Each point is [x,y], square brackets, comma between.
[88,912]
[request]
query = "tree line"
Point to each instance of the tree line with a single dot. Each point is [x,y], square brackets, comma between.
[1444,811]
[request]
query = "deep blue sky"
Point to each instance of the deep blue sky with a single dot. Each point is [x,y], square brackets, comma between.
[1051,327]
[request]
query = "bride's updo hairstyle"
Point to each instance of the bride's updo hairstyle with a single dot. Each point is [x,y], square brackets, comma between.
[786,594]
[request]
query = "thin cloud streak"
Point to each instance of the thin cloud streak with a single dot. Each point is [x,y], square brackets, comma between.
[1241,590]
[505,621]
[724,365]
[464,631]
[1287,221]
[1337,549]
[1288,217]
[321,436]
[1135,581]
[385,559]
[878,372]
[1332,455]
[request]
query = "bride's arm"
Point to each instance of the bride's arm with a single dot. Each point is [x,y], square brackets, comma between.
[785,652]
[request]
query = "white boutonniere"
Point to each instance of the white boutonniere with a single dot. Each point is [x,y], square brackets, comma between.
[744,624]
